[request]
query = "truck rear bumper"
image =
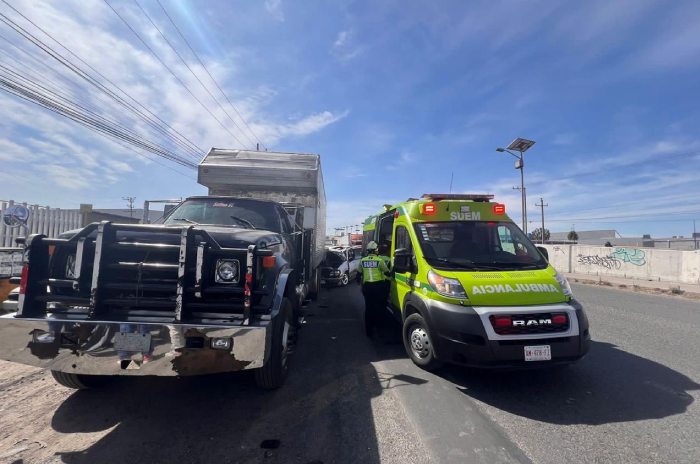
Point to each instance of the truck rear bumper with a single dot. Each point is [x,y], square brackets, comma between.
[135,348]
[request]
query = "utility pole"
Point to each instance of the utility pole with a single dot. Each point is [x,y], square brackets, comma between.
[695,237]
[130,203]
[542,205]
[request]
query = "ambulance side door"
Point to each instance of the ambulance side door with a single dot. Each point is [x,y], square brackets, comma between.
[402,283]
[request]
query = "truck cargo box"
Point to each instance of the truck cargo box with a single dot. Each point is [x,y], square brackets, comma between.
[288,178]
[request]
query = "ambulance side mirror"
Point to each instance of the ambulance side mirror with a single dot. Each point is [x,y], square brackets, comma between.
[404,261]
[543,251]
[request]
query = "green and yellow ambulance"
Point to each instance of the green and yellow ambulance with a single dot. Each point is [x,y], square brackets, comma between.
[470,288]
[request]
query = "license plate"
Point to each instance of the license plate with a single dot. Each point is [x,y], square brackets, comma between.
[538,353]
[132,342]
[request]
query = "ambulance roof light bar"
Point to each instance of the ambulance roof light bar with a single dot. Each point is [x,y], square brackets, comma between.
[456,196]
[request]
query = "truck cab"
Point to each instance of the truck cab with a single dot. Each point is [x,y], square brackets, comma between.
[470,288]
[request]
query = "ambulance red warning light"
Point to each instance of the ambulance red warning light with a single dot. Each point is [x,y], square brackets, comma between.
[429,209]
[499,209]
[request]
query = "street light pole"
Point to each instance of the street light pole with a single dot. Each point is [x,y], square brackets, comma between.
[523,192]
[521,146]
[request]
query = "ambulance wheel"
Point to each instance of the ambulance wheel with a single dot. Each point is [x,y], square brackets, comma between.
[77,381]
[344,280]
[274,371]
[418,342]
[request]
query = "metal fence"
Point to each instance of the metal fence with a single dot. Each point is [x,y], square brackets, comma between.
[42,220]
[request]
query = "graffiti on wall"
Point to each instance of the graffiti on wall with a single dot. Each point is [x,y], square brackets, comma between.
[616,259]
[607,262]
[633,256]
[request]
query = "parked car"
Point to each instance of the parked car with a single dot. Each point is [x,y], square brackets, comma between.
[339,267]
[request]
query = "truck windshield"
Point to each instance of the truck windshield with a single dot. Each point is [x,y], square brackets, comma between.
[247,214]
[478,245]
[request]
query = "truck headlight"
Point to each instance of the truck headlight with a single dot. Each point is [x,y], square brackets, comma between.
[70,267]
[227,271]
[446,286]
[564,284]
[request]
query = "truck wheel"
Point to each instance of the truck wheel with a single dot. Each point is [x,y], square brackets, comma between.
[418,342]
[344,280]
[273,373]
[77,381]
[316,286]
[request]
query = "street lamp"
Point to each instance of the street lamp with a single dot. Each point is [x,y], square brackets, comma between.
[521,146]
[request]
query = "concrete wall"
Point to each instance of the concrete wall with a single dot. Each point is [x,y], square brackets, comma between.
[632,262]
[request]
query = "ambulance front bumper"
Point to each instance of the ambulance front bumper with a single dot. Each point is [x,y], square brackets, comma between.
[138,348]
[464,335]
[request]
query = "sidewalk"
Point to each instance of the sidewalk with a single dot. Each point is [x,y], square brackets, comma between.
[648,286]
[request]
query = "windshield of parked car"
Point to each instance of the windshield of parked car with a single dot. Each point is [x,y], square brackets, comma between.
[247,214]
[334,259]
[478,245]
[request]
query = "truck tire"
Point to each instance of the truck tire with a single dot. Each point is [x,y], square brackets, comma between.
[77,381]
[418,343]
[315,286]
[273,373]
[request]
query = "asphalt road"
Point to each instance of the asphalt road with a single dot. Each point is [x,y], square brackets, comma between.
[352,400]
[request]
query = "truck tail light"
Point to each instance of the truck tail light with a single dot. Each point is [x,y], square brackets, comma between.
[499,209]
[23,282]
[269,262]
[429,209]
[560,319]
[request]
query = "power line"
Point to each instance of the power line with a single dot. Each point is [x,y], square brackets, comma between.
[155,55]
[161,126]
[172,47]
[210,75]
[49,101]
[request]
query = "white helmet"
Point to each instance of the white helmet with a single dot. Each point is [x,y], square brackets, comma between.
[372,246]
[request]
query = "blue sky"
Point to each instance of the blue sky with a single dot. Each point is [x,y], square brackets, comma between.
[395,95]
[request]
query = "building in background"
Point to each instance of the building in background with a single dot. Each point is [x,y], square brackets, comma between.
[613,237]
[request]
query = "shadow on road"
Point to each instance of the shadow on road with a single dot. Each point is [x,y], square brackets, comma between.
[609,385]
[322,414]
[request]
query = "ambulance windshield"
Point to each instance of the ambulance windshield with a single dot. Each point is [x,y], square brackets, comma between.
[478,245]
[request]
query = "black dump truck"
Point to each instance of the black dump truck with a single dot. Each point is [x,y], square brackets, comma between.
[216,285]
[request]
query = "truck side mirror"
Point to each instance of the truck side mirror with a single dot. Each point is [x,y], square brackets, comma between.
[543,251]
[404,261]
[16,216]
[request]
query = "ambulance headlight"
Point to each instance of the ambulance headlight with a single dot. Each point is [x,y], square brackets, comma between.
[564,284]
[446,286]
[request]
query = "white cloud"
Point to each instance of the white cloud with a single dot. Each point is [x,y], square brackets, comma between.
[565,138]
[274,7]
[307,125]
[405,159]
[344,47]
[94,33]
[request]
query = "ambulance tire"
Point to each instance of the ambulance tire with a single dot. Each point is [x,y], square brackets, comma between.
[418,343]
[78,381]
[273,373]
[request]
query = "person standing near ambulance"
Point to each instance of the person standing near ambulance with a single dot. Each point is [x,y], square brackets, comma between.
[375,285]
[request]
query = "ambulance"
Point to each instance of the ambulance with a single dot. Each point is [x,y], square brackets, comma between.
[470,288]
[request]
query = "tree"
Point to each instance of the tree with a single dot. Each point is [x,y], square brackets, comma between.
[537,234]
[572,236]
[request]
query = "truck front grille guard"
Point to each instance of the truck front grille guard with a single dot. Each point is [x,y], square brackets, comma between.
[191,296]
